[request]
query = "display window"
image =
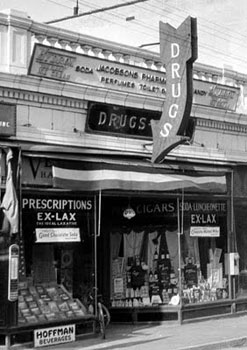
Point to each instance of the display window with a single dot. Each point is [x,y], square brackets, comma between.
[239,258]
[167,251]
[237,261]
[56,257]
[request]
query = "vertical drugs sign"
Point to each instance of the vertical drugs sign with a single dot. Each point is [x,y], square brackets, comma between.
[178,51]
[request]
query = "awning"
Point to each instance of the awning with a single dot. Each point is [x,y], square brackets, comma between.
[94,176]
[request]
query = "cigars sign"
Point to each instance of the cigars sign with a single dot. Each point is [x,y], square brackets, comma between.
[178,51]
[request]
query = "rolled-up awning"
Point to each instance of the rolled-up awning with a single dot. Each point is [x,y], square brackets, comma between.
[94,176]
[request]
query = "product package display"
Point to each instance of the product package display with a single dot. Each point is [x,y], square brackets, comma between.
[143,286]
[197,289]
[153,279]
[42,303]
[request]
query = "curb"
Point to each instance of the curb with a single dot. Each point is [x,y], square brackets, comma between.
[229,343]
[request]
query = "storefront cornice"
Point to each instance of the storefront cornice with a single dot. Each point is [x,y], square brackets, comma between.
[209,118]
[41,150]
[218,114]
[188,153]
[173,162]
[178,159]
[209,155]
[31,89]
[56,36]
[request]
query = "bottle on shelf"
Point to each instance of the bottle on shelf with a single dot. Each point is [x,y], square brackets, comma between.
[155,259]
[190,273]
[164,269]
[156,255]
[156,276]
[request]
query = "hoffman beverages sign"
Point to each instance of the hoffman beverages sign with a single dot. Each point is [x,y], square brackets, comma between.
[178,50]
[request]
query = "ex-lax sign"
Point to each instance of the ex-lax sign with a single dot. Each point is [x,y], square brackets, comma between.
[178,50]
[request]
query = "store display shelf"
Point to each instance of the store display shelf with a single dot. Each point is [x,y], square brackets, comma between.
[47,303]
[43,306]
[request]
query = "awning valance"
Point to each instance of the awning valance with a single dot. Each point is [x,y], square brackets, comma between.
[94,176]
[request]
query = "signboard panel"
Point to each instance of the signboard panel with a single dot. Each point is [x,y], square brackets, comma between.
[111,119]
[51,235]
[7,119]
[215,95]
[122,121]
[36,171]
[205,231]
[54,63]
[195,213]
[54,335]
[58,219]
[58,64]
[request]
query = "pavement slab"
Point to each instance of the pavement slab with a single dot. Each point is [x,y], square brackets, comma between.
[212,334]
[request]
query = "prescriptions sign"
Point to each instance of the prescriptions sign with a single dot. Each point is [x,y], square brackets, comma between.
[57,219]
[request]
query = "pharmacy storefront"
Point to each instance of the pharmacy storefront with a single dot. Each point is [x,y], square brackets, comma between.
[154,236]
[163,237]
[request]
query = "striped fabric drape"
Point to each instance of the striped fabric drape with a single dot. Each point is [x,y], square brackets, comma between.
[94,176]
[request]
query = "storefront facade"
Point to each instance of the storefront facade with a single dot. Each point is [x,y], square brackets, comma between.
[162,240]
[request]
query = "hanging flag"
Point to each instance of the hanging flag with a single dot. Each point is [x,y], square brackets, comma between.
[10,202]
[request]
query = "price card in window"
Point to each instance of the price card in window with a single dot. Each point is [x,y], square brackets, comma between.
[118,285]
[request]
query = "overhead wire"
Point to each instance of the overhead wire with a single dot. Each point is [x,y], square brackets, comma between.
[211,48]
[203,27]
[230,31]
[102,9]
[59,4]
[182,18]
[152,8]
[112,21]
[178,16]
[153,11]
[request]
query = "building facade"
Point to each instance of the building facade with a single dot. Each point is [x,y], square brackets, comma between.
[160,241]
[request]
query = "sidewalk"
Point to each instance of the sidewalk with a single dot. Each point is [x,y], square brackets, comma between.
[218,333]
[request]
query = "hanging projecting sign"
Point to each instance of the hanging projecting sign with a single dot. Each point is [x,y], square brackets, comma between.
[178,50]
